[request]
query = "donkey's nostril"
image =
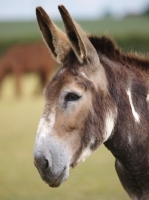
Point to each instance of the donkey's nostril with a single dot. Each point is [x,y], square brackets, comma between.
[45,164]
[41,163]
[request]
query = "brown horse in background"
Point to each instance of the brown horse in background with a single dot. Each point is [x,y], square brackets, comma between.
[27,58]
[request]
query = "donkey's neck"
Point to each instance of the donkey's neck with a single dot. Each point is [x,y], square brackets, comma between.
[107,47]
[130,138]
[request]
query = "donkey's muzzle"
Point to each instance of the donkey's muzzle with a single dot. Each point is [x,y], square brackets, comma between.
[51,159]
[44,167]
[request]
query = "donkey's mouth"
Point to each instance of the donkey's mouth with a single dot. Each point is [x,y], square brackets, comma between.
[50,178]
[60,179]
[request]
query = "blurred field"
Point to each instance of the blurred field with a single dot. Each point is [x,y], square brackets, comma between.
[19,179]
[131,33]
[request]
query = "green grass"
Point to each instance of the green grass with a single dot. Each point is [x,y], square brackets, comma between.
[19,179]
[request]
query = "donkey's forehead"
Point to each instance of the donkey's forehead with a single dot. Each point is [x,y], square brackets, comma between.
[67,79]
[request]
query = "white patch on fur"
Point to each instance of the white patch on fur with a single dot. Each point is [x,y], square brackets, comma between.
[83,74]
[147,98]
[129,139]
[87,152]
[51,118]
[109,125]
[41,124]
[45,127]
[61,71]
[135,114]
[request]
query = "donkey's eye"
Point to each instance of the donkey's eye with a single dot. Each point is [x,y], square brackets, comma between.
[71,97]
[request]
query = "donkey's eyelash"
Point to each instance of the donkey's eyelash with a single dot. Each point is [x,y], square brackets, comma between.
[71,97]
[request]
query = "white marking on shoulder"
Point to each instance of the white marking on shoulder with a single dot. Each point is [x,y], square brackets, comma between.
[109,125]
[129,139]
[147,98]
[135,114]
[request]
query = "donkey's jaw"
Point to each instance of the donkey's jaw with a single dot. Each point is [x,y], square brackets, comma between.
[63,176]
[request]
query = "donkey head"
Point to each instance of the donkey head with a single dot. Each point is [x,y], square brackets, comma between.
[78,113]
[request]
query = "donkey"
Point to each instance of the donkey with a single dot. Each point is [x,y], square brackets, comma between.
[99,96]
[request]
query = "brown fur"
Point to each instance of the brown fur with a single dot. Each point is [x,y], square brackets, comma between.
[53,36]
[107,47]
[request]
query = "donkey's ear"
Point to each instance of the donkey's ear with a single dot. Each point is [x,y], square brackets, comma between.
[55,39]
[79,41]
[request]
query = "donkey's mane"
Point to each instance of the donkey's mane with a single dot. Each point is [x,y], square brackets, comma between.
[107,47]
